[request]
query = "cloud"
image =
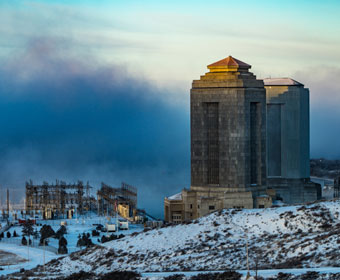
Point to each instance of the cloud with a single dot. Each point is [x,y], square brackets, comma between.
[67,117]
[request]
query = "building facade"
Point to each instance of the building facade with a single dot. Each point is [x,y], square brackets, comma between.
[249,143]
[288,159]
[228,143]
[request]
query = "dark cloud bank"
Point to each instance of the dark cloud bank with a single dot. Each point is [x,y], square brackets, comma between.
[324,109]
[69,118]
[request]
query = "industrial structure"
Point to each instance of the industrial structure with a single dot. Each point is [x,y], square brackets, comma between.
[249,143]
[121,200]
[61,200]
[57,200]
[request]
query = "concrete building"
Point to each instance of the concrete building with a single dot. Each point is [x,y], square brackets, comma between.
[228,143]
[249,143]
[288,161]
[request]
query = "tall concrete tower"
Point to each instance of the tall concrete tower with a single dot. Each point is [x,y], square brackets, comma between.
[228,128]
[288,141]
[249,143]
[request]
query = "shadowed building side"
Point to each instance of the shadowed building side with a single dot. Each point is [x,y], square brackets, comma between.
[288,155]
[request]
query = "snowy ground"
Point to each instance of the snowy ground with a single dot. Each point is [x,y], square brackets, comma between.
[36,257]
[74,227]
[302,236]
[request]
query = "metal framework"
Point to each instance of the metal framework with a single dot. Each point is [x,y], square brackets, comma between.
[57,198]
[109,198]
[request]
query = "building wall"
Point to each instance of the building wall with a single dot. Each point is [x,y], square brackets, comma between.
[293,191]
[249,143]
[237,142]
[202,201]
[288,132]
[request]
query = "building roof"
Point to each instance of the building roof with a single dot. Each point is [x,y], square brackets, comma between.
[228,63]
[177,196]
[281,82]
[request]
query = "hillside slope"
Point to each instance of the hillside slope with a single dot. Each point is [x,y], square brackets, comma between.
[285,237]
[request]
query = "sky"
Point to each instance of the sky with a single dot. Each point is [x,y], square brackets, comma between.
[99,90]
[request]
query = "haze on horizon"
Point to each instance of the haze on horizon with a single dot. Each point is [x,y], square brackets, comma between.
[99,91]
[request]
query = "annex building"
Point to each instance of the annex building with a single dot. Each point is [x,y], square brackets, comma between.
[249,143]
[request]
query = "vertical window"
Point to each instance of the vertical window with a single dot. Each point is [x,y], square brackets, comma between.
[274,139]
[212,121]
[255,142]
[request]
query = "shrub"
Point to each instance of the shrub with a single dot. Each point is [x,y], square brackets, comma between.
[175,277]
[111,237]
[45,232]
[23,241]
[120,275]
[95,233]
[62,241]
[60,232]
[228,275]
[85,240]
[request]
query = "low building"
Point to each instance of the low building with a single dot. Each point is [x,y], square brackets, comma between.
[194,203]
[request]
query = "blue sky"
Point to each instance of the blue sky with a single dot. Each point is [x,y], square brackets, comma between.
[99,90]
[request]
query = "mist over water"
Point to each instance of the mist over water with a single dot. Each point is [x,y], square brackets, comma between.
[70,118]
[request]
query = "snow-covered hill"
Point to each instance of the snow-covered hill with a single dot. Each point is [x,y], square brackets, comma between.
[284,237]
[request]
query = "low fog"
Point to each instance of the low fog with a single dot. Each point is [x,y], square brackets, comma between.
[71,118]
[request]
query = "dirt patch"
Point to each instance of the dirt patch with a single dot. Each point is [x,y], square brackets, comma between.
[7,258]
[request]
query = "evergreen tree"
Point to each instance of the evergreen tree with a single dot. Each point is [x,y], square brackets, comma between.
[24,241]
[62,241]
[27,229]
[45,232]
[36,234]
[60,232]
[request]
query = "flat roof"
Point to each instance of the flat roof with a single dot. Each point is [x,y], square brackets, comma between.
[281,82]
[177,196]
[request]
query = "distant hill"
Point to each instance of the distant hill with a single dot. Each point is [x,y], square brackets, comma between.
[325,168]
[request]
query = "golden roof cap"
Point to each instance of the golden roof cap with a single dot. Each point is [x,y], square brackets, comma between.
[228,64]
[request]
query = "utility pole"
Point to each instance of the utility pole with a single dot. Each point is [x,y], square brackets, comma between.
[44,253]
[7,204]
[28,248]
[248,274]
